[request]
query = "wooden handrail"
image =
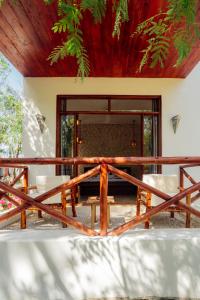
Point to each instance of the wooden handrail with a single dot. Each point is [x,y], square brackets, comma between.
[104,165]
[102,160]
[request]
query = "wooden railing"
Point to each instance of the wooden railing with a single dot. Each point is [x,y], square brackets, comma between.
[21,173]
[104,166]
[184,174]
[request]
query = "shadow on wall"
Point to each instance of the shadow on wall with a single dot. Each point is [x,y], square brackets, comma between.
[78,268]
[35,142]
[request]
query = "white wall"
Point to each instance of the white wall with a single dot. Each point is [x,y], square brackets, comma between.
[179,96]
[65,265]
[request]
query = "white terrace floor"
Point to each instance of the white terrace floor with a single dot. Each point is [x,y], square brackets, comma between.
[119,215]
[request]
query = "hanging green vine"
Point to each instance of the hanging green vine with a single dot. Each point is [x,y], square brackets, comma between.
[175,26]
[71,13]
[121,8]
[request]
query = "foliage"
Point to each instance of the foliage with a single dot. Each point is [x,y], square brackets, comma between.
[4,70]
[96,7]
[4,204]
[10,124]
[10,117]
[3,65]
[71,14]
[176,26]
[2,2]
[121,8]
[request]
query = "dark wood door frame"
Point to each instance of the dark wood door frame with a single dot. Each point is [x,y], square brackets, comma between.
[59,113]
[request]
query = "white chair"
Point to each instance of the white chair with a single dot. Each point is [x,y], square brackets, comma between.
[46,183]
[168,184]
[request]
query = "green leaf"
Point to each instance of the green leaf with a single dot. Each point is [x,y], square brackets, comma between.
[96,7]
[48,2]
[11,117]
[122,16]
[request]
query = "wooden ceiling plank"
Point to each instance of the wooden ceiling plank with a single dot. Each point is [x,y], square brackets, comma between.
[27,32]
[11,53]
[19,40]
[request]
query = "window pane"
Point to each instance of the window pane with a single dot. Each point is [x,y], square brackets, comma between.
[131,105]
[87,105]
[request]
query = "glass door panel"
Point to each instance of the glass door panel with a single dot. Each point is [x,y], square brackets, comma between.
[150,147]
[67,141]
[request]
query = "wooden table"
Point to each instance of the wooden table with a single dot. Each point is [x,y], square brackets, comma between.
[93,201]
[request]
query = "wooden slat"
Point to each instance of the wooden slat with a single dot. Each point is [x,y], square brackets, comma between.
[14,30]
[8,48]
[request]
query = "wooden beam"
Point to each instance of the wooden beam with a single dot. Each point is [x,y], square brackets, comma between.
[120,113]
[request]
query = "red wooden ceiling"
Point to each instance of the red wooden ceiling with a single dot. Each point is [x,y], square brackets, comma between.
[27,40]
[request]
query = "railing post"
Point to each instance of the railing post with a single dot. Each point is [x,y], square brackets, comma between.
[188,217]
[103,200]
[25,185]
[148,206]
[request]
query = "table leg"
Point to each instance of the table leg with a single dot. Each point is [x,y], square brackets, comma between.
[108,214]
[93,215]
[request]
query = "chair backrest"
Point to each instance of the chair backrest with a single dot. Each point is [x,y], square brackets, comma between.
[165,183]
[45,183]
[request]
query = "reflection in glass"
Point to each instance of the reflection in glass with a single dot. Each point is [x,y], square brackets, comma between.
[67,140]
[150,141]
[131,105]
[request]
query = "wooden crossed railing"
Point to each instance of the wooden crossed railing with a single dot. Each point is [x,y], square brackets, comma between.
[104,166]
[184,174]
[22,174]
